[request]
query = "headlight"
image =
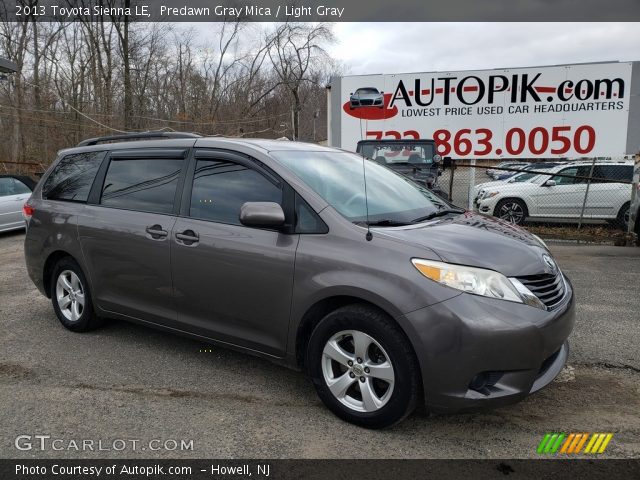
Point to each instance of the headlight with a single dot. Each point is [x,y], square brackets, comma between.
[489,194]
[478,281]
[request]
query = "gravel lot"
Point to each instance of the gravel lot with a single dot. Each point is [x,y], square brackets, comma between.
[130,382]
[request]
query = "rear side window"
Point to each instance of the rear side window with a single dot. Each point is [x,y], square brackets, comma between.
[614,172]
[220,188]
[72,177]
[146,185]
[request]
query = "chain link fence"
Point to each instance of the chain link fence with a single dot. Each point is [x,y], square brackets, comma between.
[587,199]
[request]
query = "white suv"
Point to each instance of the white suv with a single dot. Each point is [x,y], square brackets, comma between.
[561,192]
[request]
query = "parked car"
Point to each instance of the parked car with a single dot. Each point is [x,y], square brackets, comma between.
[492,171]
[561,193]
[505,174]
[386,295]
[14,191]
[415,159]
[366,97]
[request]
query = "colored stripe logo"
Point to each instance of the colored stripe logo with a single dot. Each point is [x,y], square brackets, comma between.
[574,443]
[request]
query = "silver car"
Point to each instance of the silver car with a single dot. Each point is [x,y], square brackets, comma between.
[14,192]
[366,97]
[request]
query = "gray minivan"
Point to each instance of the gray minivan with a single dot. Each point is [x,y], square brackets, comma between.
[386,294]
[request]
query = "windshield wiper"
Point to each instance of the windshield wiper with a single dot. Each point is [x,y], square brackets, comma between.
[384,223]
[439,213]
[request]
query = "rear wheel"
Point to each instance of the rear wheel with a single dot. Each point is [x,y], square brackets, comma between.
[363,367]
[623,218]
[71,297]
[512,210]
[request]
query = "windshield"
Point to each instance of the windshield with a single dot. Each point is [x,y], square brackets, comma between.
[421,154]
[338,178]
[523,177]
[365,91]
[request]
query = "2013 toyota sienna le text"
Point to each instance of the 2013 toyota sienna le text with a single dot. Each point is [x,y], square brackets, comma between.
[263,246]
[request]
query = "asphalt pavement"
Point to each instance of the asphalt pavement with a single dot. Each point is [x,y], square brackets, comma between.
[136,385]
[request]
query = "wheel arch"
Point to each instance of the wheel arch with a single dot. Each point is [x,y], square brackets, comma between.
[316,312]
[49,264]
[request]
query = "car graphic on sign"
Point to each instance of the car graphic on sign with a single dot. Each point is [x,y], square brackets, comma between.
[366,97]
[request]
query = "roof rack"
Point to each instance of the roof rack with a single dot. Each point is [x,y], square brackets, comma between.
[137,136]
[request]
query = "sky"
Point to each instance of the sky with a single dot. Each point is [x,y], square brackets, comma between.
[366,48]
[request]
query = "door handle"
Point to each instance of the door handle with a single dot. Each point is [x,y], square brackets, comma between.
[188,237]
[156,232]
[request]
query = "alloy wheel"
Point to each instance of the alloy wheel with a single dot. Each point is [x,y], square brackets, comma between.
[70,295]
[512,212]
[358,371]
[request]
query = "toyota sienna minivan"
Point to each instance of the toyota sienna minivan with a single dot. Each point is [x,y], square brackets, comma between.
[386,294]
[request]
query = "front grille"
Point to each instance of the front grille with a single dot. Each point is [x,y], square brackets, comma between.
[366,102]
[549,288]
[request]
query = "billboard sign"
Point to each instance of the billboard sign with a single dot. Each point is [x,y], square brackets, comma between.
[559,111]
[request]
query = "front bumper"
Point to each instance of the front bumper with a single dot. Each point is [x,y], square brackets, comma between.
[514,348]
[486,205]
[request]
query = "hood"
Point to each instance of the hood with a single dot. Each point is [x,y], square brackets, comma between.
[479,241]
[482,186]
[411,169]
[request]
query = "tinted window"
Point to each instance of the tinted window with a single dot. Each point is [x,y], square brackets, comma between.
[614,172]
[71,179]
[146,185]
[220,188]
[12,186]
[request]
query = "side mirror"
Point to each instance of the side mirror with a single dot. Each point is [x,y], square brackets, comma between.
[261,214]
[381,91]
[351,94]
[549,183]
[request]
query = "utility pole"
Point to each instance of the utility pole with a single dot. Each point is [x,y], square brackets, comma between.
[316,114]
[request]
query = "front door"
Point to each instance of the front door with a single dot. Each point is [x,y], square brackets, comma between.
[232,283]
[564,199]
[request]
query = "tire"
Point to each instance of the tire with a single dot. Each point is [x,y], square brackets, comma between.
[512,210]
[77,315]
[389,355]
[624,215]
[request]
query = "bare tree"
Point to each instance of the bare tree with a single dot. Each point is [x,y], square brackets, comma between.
[100,75]
[296,50]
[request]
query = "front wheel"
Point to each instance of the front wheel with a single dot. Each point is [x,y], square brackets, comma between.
[363,367]
[512,210]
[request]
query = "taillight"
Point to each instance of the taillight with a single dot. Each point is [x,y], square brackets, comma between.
[27,211]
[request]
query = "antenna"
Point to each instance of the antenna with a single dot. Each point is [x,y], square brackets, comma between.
[369,235]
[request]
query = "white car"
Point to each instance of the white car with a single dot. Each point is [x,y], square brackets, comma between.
[561,193]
